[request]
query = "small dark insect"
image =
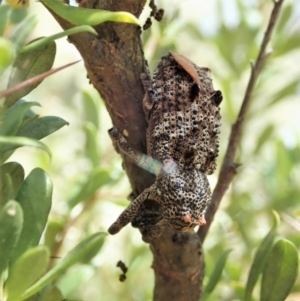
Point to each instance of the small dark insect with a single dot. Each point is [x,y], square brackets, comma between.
[152,4]
[147,24]
[124,269]
[159,15]
[153,7]
[122,278]
[122,266]
[183,115]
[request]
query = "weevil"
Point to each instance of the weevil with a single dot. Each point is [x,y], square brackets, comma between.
[183,115]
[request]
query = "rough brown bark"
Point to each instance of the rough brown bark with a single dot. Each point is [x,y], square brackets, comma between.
[179,266]
[114,61]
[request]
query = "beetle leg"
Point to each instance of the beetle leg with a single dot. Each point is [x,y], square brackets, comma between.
[128,214]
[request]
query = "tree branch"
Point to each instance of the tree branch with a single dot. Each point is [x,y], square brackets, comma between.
[228,169]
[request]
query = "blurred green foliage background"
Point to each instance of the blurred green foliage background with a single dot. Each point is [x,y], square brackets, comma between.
[90,187]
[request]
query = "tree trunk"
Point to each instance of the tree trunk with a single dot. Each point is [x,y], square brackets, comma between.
[114,61]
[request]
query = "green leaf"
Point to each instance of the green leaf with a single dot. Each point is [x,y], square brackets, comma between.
[5,156]
[78,254]
[88,16]
[4,14]
[285,16]
[12,118]
[91,145]
[90,107]
[41,127]
[284,169]
[28,65]
[88,185]
[53,228]
[8,193]
[238,37]
[29,115]
[26,271]
[16,174]
[216,274]
[11,221]
[23,31]
[45,41]
[6,54]
[261,256]
[35,198]
[280,272]
[19,14]
[11,143]
[286,43]
[52,294]
[92,251]
[288,90]
[70,281]
[264,137]
[37,297]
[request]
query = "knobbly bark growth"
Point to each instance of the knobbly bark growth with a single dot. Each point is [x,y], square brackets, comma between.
[114,61]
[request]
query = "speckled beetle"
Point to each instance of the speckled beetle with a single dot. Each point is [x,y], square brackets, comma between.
[183,115]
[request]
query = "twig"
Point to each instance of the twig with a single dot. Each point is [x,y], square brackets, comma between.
[33,80]
[228,169]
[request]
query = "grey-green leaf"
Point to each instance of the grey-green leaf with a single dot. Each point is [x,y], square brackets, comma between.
[260,258]
[52,294]
[4,13]
[216,274]
[90,107]
[11,119]
[35,198]
[54,228]
[41,127]
[26,270]
[289,89]
[88,185]
[16,174]
[91,146]
[28,65]
[264,137]
[18,14]
[4,156]
[6,183]
[11,221]
[10,143]
[78,254]
[280,272]
[23,30]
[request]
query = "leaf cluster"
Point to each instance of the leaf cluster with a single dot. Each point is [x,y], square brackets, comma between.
[25,203]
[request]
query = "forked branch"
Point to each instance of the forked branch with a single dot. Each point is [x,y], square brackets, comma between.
[228,169]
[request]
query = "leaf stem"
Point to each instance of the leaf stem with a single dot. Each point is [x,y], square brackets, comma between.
[32,80]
